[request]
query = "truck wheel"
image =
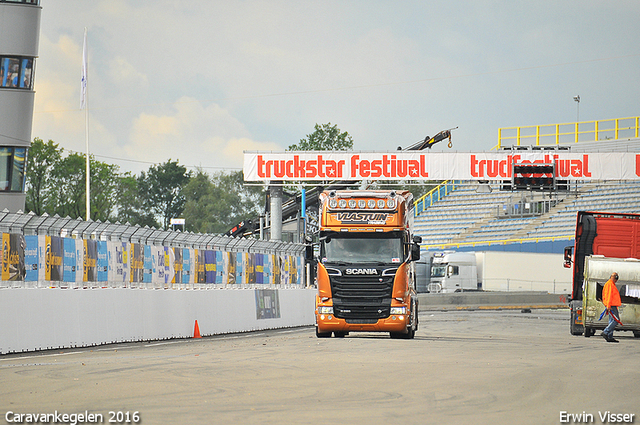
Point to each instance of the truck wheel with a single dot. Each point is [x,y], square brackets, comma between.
[409,335]
[575,328]
[340,334]
[636,334]
[322,334]
[415,312]
[588,332]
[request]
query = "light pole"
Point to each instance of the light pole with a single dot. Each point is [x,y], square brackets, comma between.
[577,99]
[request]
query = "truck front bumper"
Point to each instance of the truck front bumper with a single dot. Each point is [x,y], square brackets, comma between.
[393,323]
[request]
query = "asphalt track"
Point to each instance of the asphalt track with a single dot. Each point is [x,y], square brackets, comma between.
[463,367]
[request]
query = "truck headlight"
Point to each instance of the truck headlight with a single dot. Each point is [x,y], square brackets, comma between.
[398,310]
[325,309]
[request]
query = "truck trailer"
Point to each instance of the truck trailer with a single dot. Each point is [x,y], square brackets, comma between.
[365,269]
[604,243]
[597,270]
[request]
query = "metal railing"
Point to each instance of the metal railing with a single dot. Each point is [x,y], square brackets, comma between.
[524,209]
[573,132]
[434,195]
[451,245]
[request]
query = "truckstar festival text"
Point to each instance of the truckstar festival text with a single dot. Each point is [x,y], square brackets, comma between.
[266,166]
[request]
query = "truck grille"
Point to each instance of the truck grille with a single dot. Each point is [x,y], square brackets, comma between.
[361,297]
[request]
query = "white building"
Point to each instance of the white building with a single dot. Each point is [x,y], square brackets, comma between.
[19,36]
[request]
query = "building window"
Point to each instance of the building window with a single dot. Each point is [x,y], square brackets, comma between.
[12,164]
[16,72]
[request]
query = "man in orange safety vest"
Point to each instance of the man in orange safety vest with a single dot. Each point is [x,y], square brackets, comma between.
[611,301]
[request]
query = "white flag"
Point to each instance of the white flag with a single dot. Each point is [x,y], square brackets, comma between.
[83,84]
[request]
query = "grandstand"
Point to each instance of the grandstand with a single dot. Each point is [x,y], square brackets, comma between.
[469,215]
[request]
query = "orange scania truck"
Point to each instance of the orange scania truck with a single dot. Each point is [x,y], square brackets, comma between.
[365,273]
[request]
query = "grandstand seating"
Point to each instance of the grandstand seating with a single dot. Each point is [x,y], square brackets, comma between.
[615,197]
[466,216]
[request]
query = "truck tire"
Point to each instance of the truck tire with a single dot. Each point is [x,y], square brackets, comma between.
[574,327]
[415,312]
[588,332]
[322,334]
[411,333]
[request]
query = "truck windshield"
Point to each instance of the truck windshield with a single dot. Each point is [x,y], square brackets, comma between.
[378,248]
[438,270]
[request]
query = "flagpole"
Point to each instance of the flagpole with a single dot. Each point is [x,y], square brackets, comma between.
[84,103]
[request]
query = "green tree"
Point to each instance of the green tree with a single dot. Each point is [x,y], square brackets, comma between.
[103,182]
[161,189]
[200,200]
[57,184]
[69,197]
[326,137]
[214,204]
[129,203]
[69,180]
[43,157]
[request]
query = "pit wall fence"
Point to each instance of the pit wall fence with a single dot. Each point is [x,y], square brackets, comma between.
[86,283]
[36,261]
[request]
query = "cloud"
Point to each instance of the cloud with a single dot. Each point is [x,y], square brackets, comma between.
[57,113]
[201,80]
[125,75]
[208,137]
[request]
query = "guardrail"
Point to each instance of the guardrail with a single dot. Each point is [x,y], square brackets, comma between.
[583,131]
[494,242]
[434,195]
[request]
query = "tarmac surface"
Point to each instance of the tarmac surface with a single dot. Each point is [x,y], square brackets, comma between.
[463,367]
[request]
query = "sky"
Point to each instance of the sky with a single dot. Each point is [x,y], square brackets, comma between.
[201,81]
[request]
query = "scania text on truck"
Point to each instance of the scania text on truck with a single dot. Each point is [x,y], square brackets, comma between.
[601,240]
[365,273]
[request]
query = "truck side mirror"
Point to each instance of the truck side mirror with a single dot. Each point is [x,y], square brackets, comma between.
[308,249]
[308,253]
[568,254]
[415,252]
[415,248]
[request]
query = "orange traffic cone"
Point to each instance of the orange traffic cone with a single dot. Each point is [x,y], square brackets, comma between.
[196,331]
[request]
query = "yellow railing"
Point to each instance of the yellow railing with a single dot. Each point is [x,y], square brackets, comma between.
[494,242]
[584,131]
[435,194]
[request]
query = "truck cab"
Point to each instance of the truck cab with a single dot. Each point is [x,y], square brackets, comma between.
[365,273]
[454,272]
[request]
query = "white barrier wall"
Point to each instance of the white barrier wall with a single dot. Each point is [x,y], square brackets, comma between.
[43,318]
[523,271]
